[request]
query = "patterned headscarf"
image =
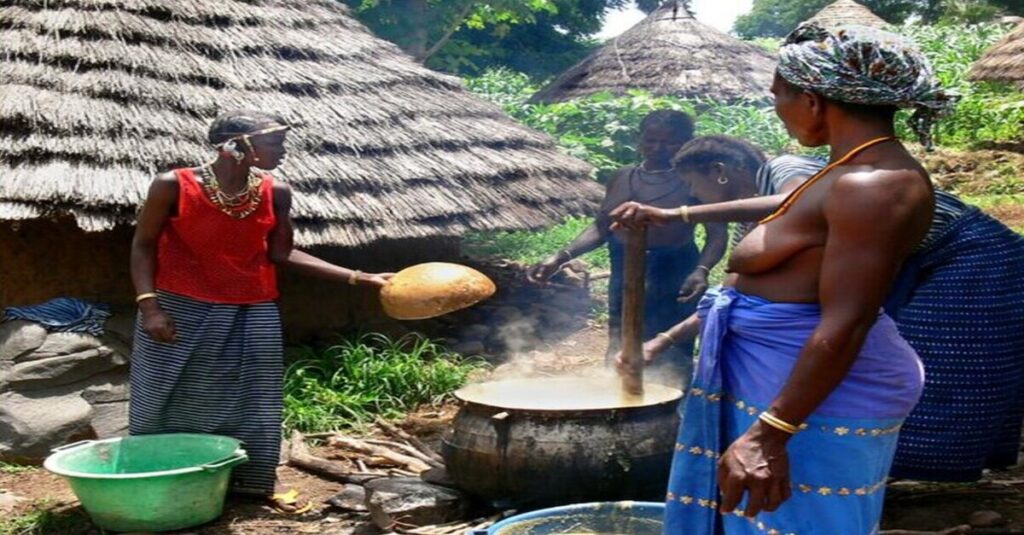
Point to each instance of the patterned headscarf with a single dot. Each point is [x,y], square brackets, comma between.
[862,65]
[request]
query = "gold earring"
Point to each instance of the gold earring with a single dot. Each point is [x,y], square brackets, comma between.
[255,159]
[722,178]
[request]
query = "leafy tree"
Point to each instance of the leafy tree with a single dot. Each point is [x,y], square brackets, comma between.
[541,37]
[1009,7]
[548,45]
[973,11]
[648,6]
[423,27]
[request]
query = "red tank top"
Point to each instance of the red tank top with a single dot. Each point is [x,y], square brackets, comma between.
[208,255]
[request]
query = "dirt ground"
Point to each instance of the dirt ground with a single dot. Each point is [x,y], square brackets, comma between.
[38,491]
[910,505]
[1010,213]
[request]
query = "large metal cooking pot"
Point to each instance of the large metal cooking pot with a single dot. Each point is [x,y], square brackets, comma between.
[556,441]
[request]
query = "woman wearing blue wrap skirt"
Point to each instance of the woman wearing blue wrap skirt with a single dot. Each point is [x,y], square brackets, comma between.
[959,302]
[803,382]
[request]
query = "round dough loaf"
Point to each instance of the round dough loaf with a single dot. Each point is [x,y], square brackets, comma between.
[434,289]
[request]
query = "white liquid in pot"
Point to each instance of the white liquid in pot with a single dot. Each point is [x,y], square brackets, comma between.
[564,394]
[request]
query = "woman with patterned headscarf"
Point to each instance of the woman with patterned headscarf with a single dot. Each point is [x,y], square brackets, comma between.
[803,384]
[959,302]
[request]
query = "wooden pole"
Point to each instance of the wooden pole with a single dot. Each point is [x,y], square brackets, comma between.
[633,311]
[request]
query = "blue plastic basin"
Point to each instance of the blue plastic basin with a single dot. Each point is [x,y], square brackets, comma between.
[615,518]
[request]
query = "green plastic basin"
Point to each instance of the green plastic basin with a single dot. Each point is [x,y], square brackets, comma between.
[150,482]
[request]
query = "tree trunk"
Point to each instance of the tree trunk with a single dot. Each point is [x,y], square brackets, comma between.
[449,31]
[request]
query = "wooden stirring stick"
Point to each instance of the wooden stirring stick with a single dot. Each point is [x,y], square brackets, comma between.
[633,311]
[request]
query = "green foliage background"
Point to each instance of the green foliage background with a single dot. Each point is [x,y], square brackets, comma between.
[541,37]
[602,129]
[776,18]
[987,112]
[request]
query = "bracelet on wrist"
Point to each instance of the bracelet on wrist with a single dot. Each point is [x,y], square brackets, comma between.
[143,296]
[778,423]
[568,256]
[684,213]
[666,336]
[353,278]
[706,269]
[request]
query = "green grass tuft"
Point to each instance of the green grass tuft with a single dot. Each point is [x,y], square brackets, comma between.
[9,468]
[43,520]
[351,383]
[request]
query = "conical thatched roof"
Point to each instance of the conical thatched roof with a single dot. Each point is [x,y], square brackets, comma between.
[847,12]
[1004,61]
[96,96]
[669,53]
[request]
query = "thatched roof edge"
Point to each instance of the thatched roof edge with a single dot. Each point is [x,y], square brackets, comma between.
[100,95]
[1004,61]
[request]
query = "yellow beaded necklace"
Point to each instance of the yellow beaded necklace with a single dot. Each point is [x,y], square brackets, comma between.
[793,197]
[237,205]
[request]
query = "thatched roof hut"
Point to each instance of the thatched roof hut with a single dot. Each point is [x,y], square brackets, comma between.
[99,95]
[1004,61]
[669,53]
[847,12]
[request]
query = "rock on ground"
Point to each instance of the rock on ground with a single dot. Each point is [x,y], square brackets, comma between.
[410,501]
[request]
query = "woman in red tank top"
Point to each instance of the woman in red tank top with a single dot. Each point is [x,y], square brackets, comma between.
[208,355]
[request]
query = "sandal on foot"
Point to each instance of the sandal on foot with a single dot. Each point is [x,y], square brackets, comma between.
[290,503]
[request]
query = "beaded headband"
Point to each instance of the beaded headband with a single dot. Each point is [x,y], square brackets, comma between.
[248,144]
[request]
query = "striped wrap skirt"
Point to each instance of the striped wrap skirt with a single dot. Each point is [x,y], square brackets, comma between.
[223,376]
[960,304]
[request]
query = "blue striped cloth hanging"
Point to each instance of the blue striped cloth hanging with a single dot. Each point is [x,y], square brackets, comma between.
[63,314]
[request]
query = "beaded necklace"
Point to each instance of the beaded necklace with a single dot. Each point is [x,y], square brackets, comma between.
[237,205]
[792,198]
[637,175]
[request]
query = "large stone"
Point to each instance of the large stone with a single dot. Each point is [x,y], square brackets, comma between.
[33,423]
[110,419]
[120,326]
[411,501]
[438,476]
[63,370]
[5,370]
[352,498]
[60,344]
[108,387]
[18,338]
